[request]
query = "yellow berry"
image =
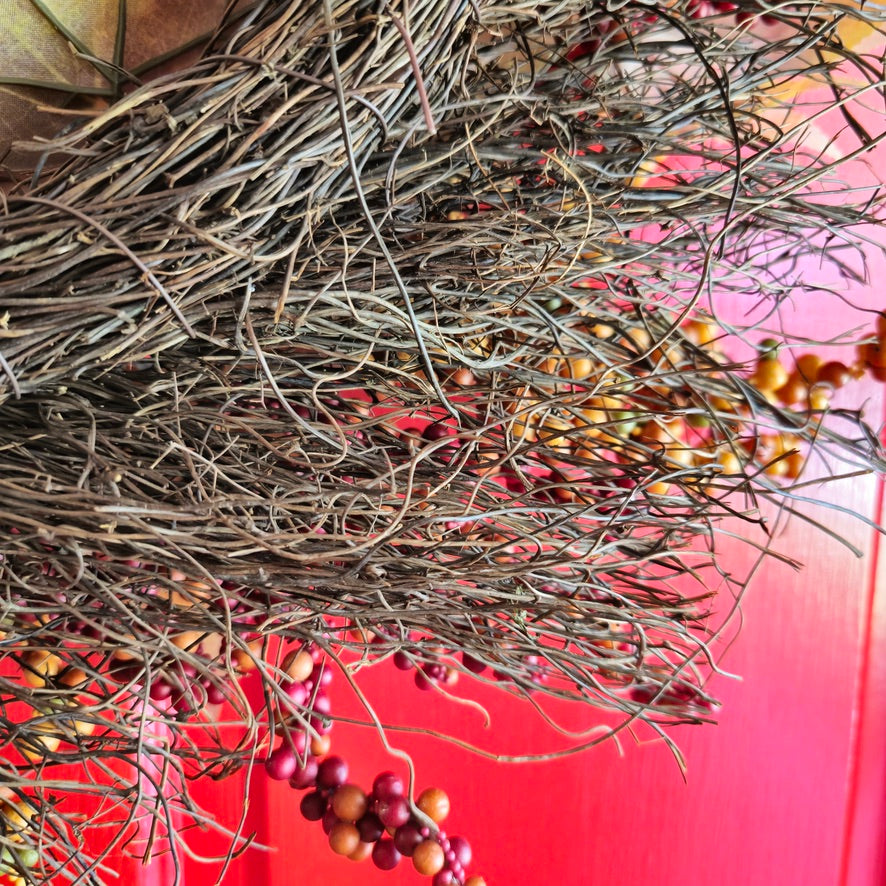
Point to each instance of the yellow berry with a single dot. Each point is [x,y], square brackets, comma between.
[769,375]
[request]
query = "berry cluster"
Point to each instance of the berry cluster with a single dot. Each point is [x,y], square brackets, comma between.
[381,824]
[384,825]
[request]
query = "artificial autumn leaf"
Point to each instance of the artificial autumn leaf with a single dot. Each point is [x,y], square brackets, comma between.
[58,53]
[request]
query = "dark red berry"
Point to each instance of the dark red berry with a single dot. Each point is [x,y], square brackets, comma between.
[160,690]
[332,772]
[329,819]
[406,838]
[436,431]
[388,786]
[304,776]
[215,694]
[385,855]
[472,664]
[393,812]
[313,806]
[370,827]
[403,661]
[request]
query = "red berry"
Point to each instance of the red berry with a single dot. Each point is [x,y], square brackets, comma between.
[462,850]
[402,661]
[472,664]
[281,763]
[436,431]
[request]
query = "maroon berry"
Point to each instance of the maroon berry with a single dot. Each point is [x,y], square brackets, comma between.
[388,786]
[393,813]
[406,838]
[444,878]
[402,661]
[332,772]
[281,763]
[305,776]
[423,681]
[298,740]
[329,819]
[215,694]
[321,675]
[472,664]
[160,690]
[313,806]
[436,431]
[319,720]
[370,827]
[385,855]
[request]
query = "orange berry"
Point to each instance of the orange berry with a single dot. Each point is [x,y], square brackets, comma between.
[362,852]
[550,365]
[777,468]
[577,367]
[320,745]
[298,665]
[475,880]
[729,462]
[349,803]
[463,377]
[700,332]
[637,339]
[344,838]
[795,462]
[858,369]
[881,325]
[808,366]
[434,803]
[40,664]
[554,432]
[428,858]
